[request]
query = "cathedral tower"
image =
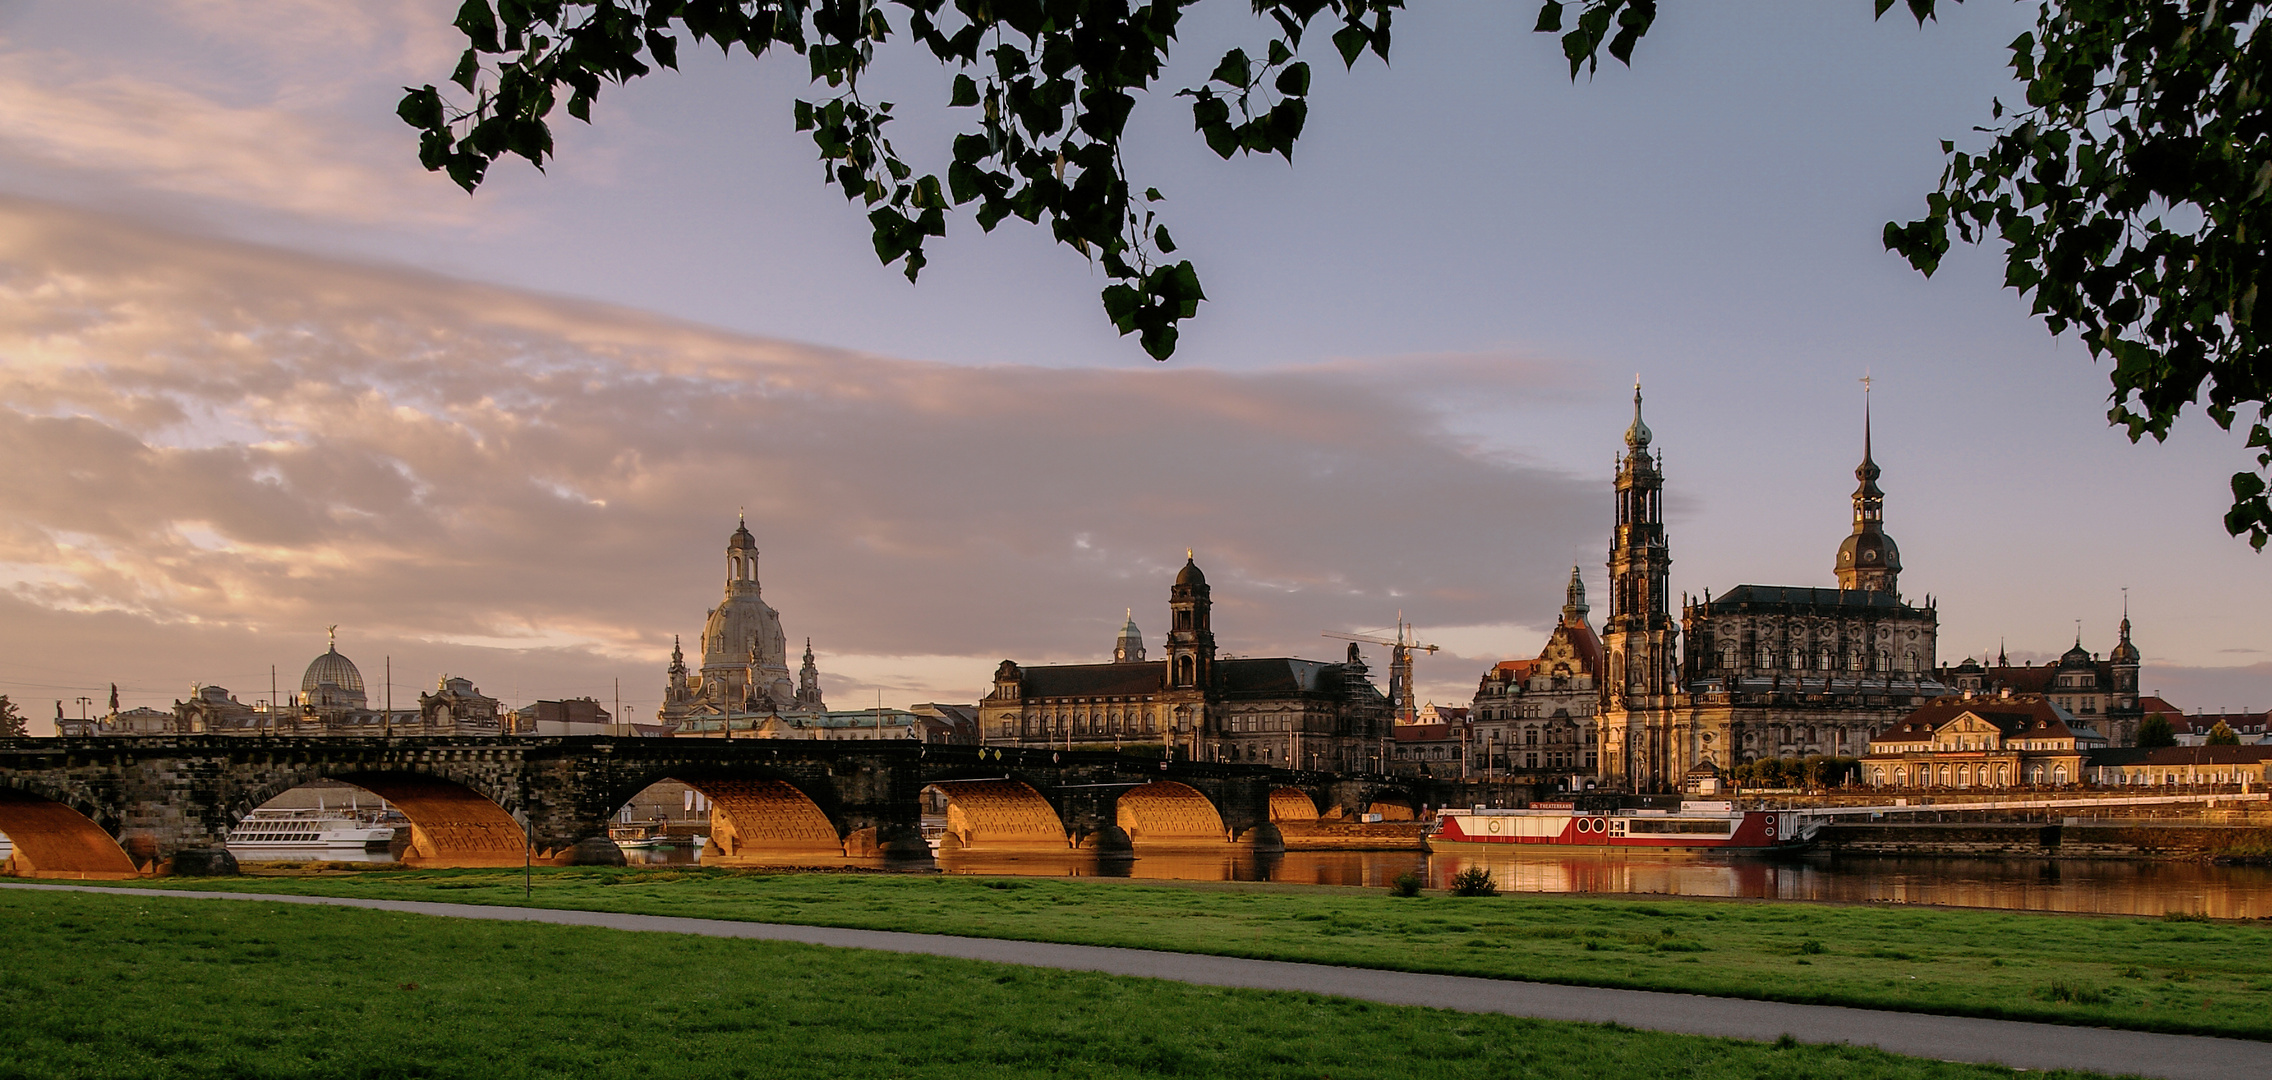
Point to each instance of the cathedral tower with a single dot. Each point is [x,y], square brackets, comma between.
[1868,561]
[1640,748]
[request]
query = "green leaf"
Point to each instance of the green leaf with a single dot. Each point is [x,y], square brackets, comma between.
[965,93]
[1235,70]
[421,108]
[1295,80]
[479,25]
[1350,40]
[1550,17]
[1160,239]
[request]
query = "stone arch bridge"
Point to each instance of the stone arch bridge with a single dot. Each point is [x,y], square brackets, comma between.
[121,806]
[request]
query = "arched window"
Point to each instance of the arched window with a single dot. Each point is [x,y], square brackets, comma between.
[1183,671]
[1900,777]
[1944,776]
[2003,776]
[1877,777]
[1964,776]
[2036,777]
[2059,775]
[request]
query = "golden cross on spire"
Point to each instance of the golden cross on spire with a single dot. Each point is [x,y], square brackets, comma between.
[1865,383]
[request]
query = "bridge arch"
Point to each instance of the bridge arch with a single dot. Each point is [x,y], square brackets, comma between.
[1392,805]
[50,839]
[1291,805]
[758,816]
[1165,813]
[451,824]
[756,821]
[999,815]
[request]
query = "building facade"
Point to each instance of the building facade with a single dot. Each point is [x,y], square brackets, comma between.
[1194,704]
[1982,742]
[2104,692]
[1537,715]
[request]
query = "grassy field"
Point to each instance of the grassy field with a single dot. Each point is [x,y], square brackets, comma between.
[2168,974]
[106,986]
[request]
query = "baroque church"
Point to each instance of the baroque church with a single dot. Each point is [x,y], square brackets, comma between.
[1769,670]
[744,679]
[1193,704]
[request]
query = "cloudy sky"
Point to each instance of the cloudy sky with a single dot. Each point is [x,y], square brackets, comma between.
[260,374]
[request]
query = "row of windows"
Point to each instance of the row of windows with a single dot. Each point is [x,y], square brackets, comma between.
[1965,775]
[2173,777]
[1819,660]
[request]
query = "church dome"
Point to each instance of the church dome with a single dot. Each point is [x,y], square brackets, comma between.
[1190,574]
[334,669]
[2077,657]
[741,540]
[1868,551]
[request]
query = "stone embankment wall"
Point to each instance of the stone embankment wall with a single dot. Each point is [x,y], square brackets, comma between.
[1354,835]
[2087,840]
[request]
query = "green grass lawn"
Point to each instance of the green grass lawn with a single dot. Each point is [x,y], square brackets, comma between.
[2151,974]
[111,986]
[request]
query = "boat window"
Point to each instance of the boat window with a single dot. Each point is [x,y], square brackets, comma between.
[1674,825]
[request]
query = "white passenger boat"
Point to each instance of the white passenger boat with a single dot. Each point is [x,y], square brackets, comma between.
[318,828]
[639,836]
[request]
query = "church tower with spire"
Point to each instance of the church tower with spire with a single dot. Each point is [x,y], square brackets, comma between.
[1574,609]
[1868,561]
[1639,729]
[808,684]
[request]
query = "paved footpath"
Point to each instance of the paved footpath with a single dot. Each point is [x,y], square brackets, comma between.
[1948,1038]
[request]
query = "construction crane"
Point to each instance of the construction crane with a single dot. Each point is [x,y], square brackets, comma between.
[1401,647]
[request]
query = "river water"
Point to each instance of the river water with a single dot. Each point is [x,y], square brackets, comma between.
[2125,887]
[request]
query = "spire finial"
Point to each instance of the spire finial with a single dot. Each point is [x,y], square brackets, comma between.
[1187,557]
[333,631]
[1865,418]
[1637,437]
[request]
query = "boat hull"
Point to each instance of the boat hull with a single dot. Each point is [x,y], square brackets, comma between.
[1570,832]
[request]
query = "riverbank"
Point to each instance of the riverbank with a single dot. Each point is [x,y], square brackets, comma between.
[101,986]
[2185,974]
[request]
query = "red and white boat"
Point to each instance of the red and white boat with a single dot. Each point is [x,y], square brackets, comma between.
[1563,828]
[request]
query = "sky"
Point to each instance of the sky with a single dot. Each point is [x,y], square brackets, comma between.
[260,374]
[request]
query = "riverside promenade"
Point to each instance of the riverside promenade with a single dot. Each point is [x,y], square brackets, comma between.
[2000,1042]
